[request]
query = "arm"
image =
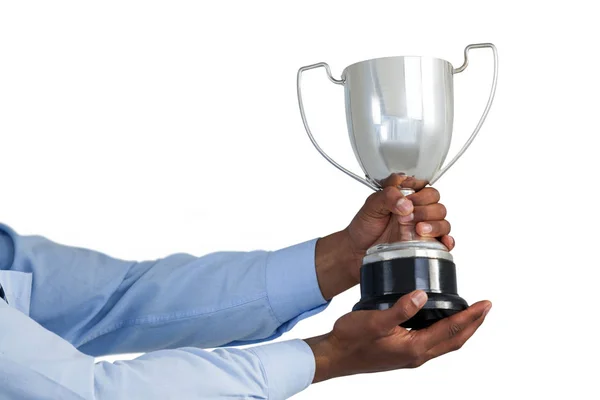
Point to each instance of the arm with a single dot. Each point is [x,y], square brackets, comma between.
[37,364]
[105,306]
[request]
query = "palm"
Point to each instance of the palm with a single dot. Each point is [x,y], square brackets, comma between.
[372,345]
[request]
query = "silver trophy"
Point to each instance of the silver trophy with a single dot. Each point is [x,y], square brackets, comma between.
[399,113]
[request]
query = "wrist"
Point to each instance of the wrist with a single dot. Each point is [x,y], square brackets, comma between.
[324,357]
[336,264]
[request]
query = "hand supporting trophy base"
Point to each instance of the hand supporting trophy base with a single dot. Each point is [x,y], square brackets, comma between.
[399,113]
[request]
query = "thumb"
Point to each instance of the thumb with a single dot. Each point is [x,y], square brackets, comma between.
[404,309]
[386,201]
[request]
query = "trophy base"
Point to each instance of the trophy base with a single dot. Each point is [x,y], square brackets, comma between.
[390,274]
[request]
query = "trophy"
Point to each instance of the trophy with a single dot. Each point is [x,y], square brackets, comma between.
[399,114]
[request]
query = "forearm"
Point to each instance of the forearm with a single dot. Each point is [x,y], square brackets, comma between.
[222,299]
[274,371]
[41,365]
[104,306]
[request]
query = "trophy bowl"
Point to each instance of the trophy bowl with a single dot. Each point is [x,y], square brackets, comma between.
[399,112]
[399,115]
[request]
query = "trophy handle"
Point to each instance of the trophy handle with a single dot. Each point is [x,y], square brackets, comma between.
[487,107]
[312,139]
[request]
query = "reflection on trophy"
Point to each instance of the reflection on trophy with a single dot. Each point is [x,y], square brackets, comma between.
[399,113]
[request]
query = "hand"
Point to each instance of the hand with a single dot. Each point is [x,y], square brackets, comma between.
[375,222]
[372,341]
[339,256]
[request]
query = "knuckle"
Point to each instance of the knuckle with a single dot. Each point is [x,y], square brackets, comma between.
[405,311]
[390,192]
[453,330]
[392,180]
[416,363]
[456,346]
[422,214]
[447,226]
[432,195]
[371,202]
[372,197]
[443,210]
[412,365]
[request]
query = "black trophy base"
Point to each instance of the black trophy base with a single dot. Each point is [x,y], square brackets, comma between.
[384,282]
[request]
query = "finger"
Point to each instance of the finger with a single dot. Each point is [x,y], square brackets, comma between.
[449,328]
[448,241]
[394,180]
[425,196]
[413,183]
[432,212]
[433,228]
[403,310]
[386,201]
[457,341]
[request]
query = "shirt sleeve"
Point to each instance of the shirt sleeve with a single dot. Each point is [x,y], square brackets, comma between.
[37,364]
[103,305]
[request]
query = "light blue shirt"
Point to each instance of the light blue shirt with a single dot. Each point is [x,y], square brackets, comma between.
[67,305]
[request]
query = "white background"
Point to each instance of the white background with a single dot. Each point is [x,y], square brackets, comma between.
[142,128]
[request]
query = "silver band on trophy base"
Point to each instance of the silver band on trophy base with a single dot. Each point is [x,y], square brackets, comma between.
[400,114]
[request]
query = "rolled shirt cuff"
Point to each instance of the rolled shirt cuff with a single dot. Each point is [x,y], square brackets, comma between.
[289,367]
[291,280]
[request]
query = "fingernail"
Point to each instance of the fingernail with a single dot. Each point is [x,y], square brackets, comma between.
[419,298]
[426,228]
[406,218]
[404,205]
[487,310]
